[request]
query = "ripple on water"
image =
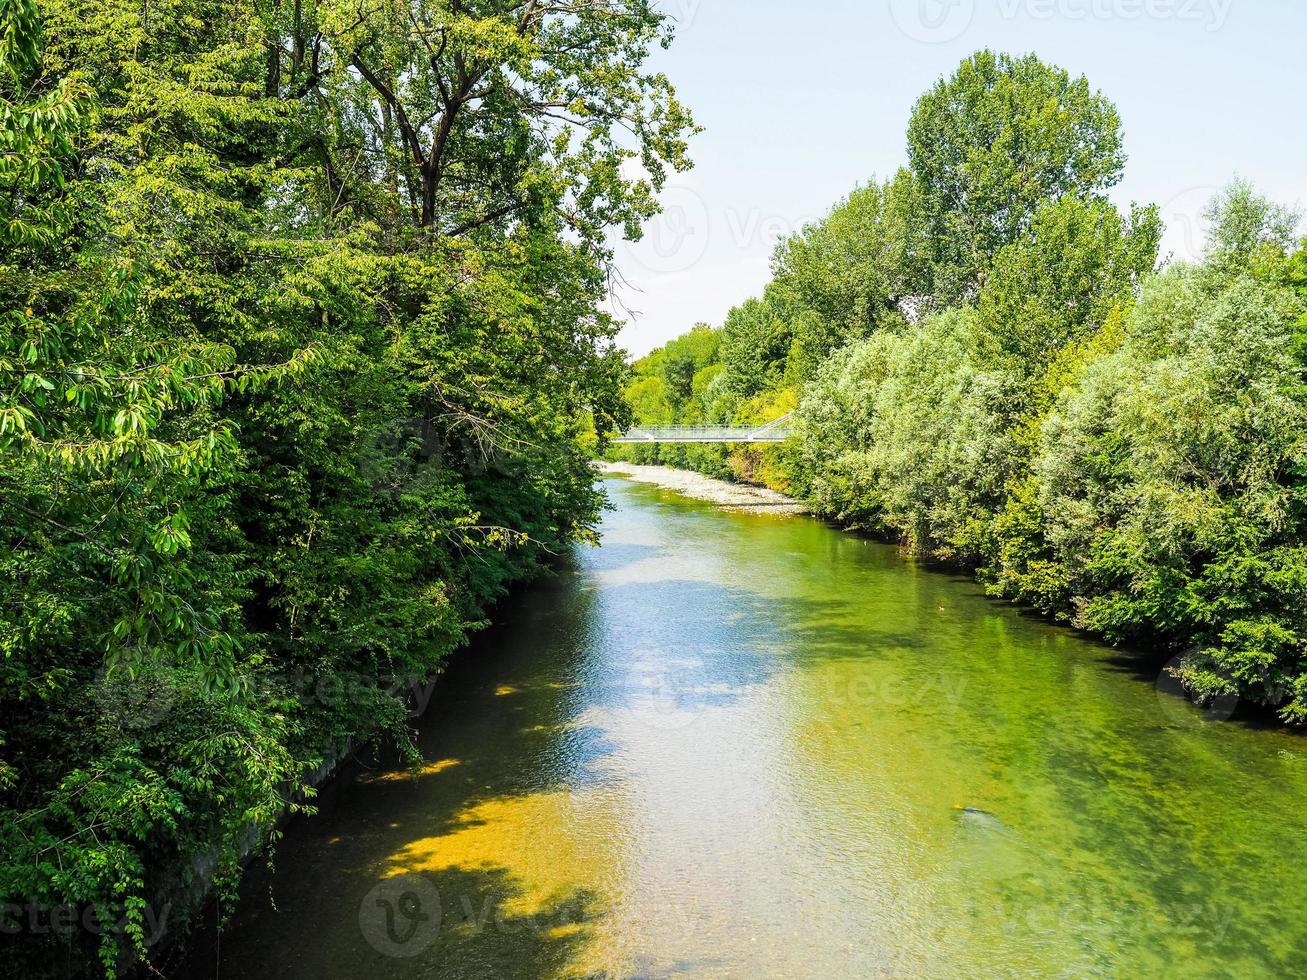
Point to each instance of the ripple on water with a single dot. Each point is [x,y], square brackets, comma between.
[728,745]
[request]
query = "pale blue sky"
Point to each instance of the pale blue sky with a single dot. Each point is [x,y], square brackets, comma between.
[801,101]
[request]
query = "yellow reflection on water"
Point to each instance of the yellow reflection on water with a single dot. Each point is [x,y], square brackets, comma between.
[726,746]
[409,775]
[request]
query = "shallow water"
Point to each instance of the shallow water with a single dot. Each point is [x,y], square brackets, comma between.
[739,745]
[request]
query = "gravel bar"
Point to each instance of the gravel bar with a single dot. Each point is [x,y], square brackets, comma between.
[734,496]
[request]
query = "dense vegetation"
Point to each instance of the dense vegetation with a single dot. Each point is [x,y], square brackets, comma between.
[302,335]
[992,366]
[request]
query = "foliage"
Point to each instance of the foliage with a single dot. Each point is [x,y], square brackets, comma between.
[38,121]
[303,329]
[686,382]
[1016,389]
[1166,485]
[756,341]
[932,445]
[995,142]
[1059,281]
[847,275]
[1145,485]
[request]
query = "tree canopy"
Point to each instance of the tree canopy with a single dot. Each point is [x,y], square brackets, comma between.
[992,144]
[990,368]
[304,350]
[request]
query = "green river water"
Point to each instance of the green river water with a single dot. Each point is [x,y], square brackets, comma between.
[729,745]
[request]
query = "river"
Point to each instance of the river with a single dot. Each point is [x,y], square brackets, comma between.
[732,745]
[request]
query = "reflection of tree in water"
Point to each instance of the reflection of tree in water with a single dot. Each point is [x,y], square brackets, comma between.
[490,745]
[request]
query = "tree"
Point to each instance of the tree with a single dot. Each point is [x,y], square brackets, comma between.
[755,345]
[282,402]
[1166,500]
[122,586]
[995,142]
[910,433]
[1060,280]
[848,275]
[38,121]
[1246,228]
[486,111]
[682,360]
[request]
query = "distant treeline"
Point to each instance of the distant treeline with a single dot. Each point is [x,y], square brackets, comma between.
[990,363]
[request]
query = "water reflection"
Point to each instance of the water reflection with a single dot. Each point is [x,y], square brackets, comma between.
[744,745]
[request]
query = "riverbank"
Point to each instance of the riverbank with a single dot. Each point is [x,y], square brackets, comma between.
[734,496]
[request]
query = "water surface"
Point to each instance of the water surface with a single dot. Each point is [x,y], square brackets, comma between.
[734,745]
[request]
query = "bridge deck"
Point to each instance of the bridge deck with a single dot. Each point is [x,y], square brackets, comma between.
[777,431]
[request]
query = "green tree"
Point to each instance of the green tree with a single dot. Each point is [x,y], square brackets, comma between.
[850,273]
[488,111]
[910,433]
[39,116]
[1165,502]
[122,576]
[683,358]
[1060,280]
[283,401]
[995,142]
[756,343]
[1247,230]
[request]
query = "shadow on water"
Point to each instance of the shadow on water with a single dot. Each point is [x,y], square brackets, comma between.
[1150,667]
[507,731]
[315,911]
[567,821]
[474,928]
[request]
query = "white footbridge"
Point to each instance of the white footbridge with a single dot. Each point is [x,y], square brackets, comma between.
[774,431]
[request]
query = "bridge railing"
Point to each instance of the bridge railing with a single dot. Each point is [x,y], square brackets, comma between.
[770,432]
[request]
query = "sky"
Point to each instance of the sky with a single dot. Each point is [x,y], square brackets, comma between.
[802,101]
